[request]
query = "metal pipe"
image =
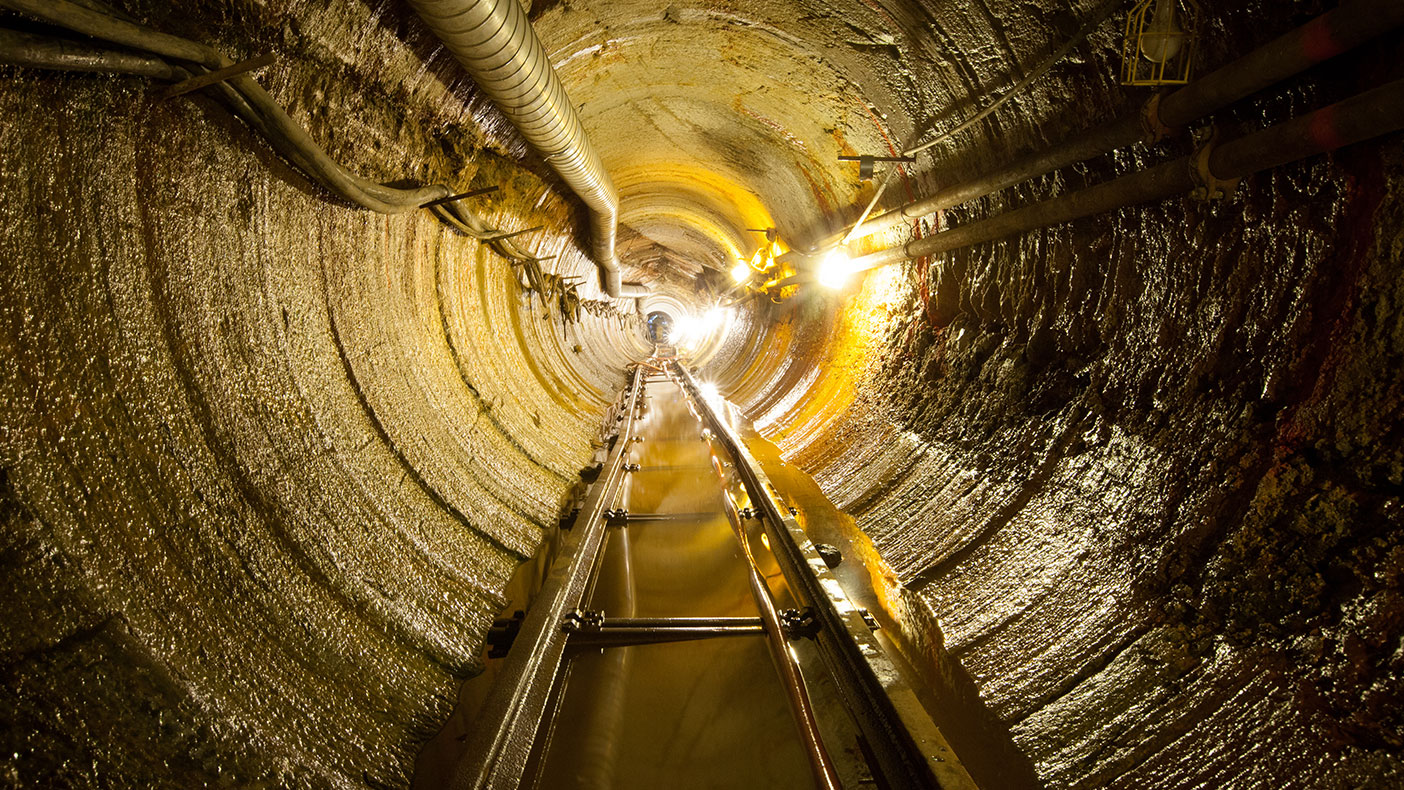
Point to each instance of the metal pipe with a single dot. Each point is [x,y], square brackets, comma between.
[786,664]
[624,636]
[495,43]
[25,49]
[1370,114]
[677,622]
[1322,38]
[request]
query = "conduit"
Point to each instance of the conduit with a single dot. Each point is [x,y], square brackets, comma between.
[1096,20]
[1323,38]
[248,100]
[24,49]
[1367,115]
[245,95]
[495,43]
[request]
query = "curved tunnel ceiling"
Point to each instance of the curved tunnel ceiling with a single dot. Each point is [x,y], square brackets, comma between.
[1136,477]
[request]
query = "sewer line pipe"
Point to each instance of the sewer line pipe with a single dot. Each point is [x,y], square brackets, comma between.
[1323,38]
[494,41]
[1365,116]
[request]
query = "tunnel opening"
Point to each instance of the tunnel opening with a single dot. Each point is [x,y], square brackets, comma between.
[660,327]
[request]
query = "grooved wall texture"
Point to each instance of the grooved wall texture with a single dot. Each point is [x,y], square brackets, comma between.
[266,460]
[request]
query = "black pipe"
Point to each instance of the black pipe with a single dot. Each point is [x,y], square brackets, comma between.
[26,49]
[1354,120]
[676,622]
[1322,38]
[624,636]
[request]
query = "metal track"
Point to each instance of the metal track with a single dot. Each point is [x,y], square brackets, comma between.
[497,754]
[900,745]
[906,749]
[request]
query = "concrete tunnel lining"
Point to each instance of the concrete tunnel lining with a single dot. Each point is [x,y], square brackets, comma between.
[268,459]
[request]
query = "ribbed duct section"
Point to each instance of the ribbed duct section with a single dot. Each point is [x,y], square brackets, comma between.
[494,41]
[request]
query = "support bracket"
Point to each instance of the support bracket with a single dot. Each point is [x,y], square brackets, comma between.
[1208,186]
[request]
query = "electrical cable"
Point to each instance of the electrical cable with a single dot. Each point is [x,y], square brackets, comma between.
[253,104]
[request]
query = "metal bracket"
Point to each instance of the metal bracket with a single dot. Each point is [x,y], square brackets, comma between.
[866,163]
[799,623]
[502,633]
[1154,128]
[568,520]
[577,620]
[1210,187]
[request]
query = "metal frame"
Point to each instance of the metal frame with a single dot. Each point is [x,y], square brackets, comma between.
[498,752]
[905,747]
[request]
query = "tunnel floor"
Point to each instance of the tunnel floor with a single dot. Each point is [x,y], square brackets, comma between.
[687,714]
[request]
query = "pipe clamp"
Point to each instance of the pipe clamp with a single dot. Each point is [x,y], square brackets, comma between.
[1207,185]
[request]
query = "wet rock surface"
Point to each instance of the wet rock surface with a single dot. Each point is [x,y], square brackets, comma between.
[266,460]
[1145,471]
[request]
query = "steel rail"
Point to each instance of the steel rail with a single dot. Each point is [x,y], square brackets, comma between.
[907,750]
[497,752]
[781,654]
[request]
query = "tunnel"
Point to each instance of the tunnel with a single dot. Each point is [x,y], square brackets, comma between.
[307,341]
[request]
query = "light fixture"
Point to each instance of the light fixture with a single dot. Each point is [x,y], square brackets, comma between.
[1159,45]
[835,268]
[741,272]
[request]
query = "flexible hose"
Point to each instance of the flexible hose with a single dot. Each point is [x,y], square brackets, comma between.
[494,42]
[248,100]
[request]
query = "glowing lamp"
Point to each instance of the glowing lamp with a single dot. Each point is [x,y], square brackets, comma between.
[835,269]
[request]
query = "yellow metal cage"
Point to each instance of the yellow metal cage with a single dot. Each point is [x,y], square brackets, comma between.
[1160,41]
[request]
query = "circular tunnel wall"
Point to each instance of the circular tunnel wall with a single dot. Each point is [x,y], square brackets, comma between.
[268,459]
